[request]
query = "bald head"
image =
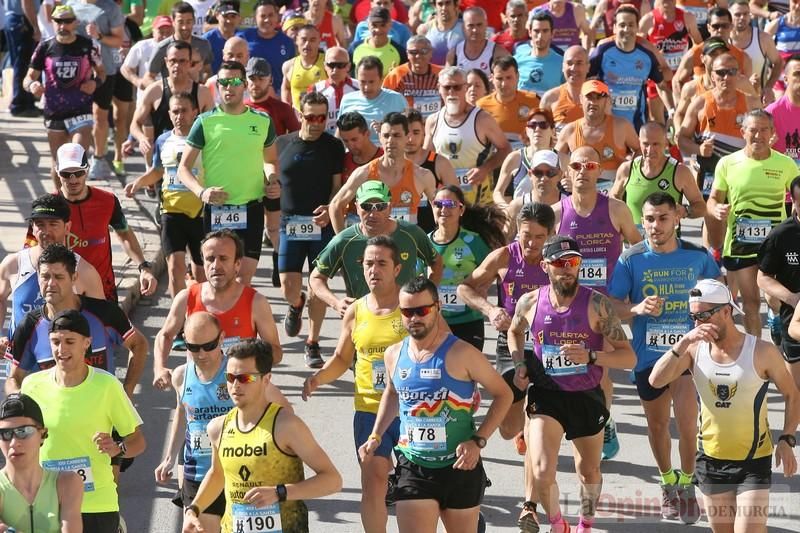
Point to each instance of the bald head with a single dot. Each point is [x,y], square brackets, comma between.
[586,153]
[235,49]
[201,327]
[576,51]
[336,54]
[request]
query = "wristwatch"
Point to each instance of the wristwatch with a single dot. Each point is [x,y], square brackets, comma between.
[789,439]
[480,441]
[122,449]
[592,357]
[145,264]
[280,490]
[193,508]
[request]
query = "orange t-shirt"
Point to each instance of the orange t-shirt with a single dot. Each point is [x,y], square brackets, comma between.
[405,197]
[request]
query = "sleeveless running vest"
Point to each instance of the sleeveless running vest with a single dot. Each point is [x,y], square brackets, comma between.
[462,146]
[521,175]
[41,517]
[599,240]
[520,278]
[611,155]
[372,334]
[787,38]
[639,187]
[327,39]
[304,77]
[565,28]
[733,406]
[435,408]
[202,401]
[671,38]
[405,197]
[25,293]
[253,459]
[551,329]
[160,115]
[482,62]
[236,322]
[757,58]
[566,109]
[442,41]
[725,124]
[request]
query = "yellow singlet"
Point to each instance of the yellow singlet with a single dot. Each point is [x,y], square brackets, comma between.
[303,78]
[253,459]
[372,334]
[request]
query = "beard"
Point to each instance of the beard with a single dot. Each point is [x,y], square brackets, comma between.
[419,331]
[565,289]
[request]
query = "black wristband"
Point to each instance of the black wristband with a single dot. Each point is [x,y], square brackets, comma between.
[280,490]
[145,264]
[193,508]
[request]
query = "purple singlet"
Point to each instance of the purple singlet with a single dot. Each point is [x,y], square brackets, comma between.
[551,329]
[519,279]
[600,242]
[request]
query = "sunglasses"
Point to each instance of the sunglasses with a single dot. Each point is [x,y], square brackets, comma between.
[589,165]
[454,88]
[552,173]
[725,72]
[417,52]
[21,432]
[315,119]
[720,26]
[422,310]
[447,204]
[230,82]
[538,124]
[72,174]
[571,262]
[343,64]
[243,378]
[702,316]
[206,347]
[374,206]
[64,21]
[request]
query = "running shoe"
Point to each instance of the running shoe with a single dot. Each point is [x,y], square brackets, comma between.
[560,527]
[689,508]
[293,320]
[179,344]
[774,322]
[610,440]
[528,521]
[519,442]
[118,167]
[99,169]
[313,356]
[669,502]
[583,527]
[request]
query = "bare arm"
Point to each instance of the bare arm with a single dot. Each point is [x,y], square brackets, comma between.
[776,289]
[338,364]
[687,185]
[774,58]
[137,358]
[620,181]
[690,22]
[286,88]
[622,218]
[480,370]
[794,325]
[69,487]
[604,320]
[163,342]
[185,174]
[495,136]
[164,470]
[686,140]
[264,322]
[345,195]
[445,171]
[683,73]
[214,481]
[507,171]
[8,270]
[474,289]
[14,381]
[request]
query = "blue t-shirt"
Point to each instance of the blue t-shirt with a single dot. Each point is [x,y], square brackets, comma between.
[398,33]
[217,42]
[373,110]
[626,73]
[539,74]
[275,51]
[641,272]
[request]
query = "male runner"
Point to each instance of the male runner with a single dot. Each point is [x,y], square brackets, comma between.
[576,334]
[732,371]
[564,101]
[338,84]
[266,486]
[305,69]
[651,285]
[540,62]
[417,80]
[476,50]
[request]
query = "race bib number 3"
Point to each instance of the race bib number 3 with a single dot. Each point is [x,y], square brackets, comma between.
[80,465]
[250,519]
[593,272]
[450,300]
[300,228]
[749,231]
[556,364]
[661,337]
[428,434]
[228,217]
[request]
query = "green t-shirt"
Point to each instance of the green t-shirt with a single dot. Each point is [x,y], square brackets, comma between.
[461,256]
[388,55]
[73,415]
[233,148]
[756,191]
[346,250]
[639,187]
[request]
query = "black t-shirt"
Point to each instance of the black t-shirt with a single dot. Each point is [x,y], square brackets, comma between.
[779,257]
[306,171]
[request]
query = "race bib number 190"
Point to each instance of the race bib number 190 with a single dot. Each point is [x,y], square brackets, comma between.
[250,519]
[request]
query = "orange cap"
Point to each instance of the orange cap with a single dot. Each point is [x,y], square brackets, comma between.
[594,86]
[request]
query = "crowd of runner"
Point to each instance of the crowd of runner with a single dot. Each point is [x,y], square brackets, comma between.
[523,166]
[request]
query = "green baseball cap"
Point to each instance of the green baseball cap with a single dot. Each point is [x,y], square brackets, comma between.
[63,13]
[373,189]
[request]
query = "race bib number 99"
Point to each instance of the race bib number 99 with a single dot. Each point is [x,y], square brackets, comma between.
[300,228]
[250,519]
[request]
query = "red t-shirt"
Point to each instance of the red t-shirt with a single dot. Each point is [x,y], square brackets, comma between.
[281,113]
[361,9]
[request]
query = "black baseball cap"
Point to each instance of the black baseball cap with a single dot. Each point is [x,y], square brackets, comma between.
[19,404]
[559,247]
[50,206]
[70,320]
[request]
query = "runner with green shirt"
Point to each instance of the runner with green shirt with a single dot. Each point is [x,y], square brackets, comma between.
[748,194]
[462,251]
[77,442]
[233,134]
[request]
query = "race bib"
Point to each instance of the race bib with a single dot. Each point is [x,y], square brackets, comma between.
[700,13]
[661,337]
[174,184]
[750,231]
[604,186]
[593,272]
[625,100]
[427,105]
[673,60]
[528,340]
[450,300]
[427,433]
[302,228]
[708,182]
[75,123]
[463,182]
[229,341]
[405,214]
[80,465]
[228,217]
[199,443]
[379,376]
[556,364]
[250,519]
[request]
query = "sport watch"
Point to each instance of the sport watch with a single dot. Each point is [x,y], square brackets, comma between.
[789,439]
[145,264]
[122,449]
[480,441]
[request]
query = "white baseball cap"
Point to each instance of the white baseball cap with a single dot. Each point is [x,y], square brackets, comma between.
[545,157]
[714,292]
[71,156]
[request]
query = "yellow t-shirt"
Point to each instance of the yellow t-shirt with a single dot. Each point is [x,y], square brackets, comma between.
[175,196]
[303,78]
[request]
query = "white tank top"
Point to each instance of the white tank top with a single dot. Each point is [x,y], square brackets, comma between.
[482,62]
[460,144]
[756,55]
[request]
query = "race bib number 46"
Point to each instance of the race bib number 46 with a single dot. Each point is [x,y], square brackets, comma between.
[228,217]
[80,465]
[250,519]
